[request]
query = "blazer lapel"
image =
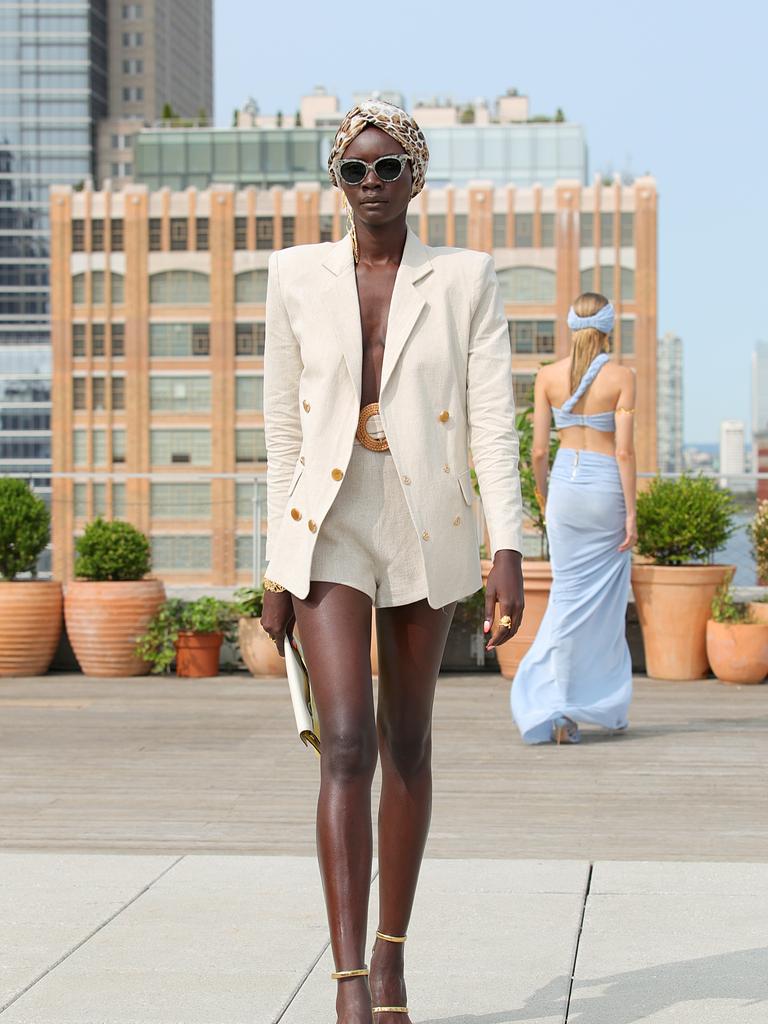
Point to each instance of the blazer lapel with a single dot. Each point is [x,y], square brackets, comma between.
[343,308]
[406,305]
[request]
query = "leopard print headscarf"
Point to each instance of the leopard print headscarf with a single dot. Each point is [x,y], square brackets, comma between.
[395,122]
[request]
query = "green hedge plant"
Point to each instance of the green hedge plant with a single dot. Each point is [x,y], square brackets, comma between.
[725,609]
[25,528]
[684,520]
[250,602]
[758,534]
[112,550]
[205,615]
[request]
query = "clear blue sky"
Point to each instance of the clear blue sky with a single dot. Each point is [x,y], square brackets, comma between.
[677,89]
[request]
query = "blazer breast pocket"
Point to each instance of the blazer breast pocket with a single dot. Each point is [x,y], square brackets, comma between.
[465,484]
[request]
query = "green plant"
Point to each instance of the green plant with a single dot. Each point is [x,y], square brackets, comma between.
[471,611]
[683,520]
[250,602]
[724,608]
[157,644]
[112,550]
[758,534]
[25,528]
[524,425]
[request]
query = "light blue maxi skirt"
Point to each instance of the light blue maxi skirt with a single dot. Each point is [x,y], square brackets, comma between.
[579,664]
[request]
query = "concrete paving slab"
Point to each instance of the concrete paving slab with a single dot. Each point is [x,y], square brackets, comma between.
[51,902]
[490,942]
[679,877]
[692,957]
[219,939]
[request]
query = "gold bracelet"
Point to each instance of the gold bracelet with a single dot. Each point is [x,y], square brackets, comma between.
[276,588]
[627,412]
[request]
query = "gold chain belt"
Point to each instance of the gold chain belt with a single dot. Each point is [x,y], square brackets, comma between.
[374,444]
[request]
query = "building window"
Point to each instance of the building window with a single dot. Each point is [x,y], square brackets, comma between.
[627,337]
[587,230]
[178,340]
[180,501]
[78,236]
[606,280]
[179,287]
[241,232]
[79,393]
[527,284]
[79,495]
[250,445]
[532,337]
[184,551]
[118,392]
[99,499]
[118,340]
[178,234]
[97,236]
[499,231]
[627,238]
[522,388]
[627,284]
[118,500]
[244,551]
[78,340]
[201,234]
[436,229]
[78,289]
[79,447]
[523,230]
[99,447]
[251,286]
[133,12]
[588,280]
[326,228]
[180,394]
[118,445]
[117,284]
[460,230]
[133,39]
[249,393]
[289,231]
[180,446]
[133,94]
[244,493]
[249,339]
[97,339]
[547,230]
[265,233]
[606,229]
[116,235]
[155,234]
[133,66]
[98,393]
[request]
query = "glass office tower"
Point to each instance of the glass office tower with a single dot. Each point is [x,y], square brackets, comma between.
[53,90]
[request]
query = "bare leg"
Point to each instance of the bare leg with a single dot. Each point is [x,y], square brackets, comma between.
[334,625]
[411,641]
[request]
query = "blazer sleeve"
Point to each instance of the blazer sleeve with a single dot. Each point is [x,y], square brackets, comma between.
[282,420]
[492,435]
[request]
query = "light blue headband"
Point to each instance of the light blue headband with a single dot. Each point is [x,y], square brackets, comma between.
[603,320]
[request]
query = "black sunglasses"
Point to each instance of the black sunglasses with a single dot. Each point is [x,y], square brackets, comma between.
[386,168]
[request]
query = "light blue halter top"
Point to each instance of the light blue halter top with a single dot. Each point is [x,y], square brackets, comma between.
[605,421]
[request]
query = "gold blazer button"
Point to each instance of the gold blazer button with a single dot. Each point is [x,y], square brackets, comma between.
[337,474]
[306,405]
[444,415]
[312,525]
[295,514]
[425,535]
[446,468]
[457,521]
[301,459]
[406,479]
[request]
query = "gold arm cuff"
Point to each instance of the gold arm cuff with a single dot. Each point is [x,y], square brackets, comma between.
[390,1009]
[391,938]
[276,588]
[627,412]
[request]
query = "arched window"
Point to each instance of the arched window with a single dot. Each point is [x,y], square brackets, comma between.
[527,284]
[179,287]
[98,296]
[251,286]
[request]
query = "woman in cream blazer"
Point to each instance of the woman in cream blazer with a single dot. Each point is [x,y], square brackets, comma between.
[416,336]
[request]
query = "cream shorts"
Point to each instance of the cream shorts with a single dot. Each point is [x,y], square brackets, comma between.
[368,539]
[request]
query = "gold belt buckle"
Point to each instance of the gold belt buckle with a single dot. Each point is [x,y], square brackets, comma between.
[374,444]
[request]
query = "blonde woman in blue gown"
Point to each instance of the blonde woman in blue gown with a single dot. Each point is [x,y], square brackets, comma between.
[578,668]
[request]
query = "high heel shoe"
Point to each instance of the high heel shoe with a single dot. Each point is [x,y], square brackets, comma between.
[390,1009]
[565,730]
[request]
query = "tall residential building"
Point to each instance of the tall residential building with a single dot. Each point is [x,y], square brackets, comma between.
[733,461]
[160,56]
[158,342]
[760,388]
[53,62]
[669,404]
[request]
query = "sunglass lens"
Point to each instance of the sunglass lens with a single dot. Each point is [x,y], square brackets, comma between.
[353,172]
[388,169]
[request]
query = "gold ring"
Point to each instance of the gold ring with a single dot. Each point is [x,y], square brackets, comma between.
[506,621]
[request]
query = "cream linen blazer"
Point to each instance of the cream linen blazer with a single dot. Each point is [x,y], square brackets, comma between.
[446,388]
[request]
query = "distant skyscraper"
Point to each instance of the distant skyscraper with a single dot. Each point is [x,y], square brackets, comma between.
[669,408]
[760,388]
[732,455]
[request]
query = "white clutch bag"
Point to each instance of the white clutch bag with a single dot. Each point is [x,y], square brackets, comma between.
[301,694]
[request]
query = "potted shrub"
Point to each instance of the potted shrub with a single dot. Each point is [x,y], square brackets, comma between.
[258,649]
[737,645]
[191,634]
[681,523]
[758,534]
[30,609]
[538,570]
[111,600]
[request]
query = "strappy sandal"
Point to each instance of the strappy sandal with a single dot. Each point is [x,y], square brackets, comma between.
[390,1009]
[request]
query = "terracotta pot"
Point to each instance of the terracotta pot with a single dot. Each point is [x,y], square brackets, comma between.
[197,654]
[537,575]
[30,626]
[759,610]
[258,649]
[105,618]
[737,651]
[673,604]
